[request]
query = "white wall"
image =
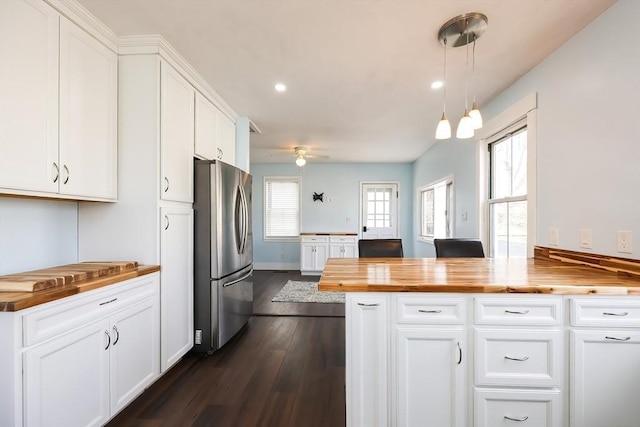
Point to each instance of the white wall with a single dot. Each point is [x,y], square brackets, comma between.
[588,158]
[341,184]
[37,234]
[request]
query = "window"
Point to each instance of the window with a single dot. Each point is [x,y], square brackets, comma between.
[435,209]
[508,193]
[281,208]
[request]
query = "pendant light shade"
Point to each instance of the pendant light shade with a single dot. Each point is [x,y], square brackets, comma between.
[443,131]
[475,115]
[465,127]
[300,160]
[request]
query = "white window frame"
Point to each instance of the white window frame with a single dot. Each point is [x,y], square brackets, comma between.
[525,108]
[266,180]
[449,213]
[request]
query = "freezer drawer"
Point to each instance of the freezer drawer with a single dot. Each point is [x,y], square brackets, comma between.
[235,306]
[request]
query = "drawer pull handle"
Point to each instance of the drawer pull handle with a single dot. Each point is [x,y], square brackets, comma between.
[108,338]
[166,181]
[516,312]
[624,313]
[429,311]
[525,418]
[108,302]
[517,359]
[68,174]
[617,339]
[368,305]
[55,166]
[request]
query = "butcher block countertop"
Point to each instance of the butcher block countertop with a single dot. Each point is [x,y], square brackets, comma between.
[472,275]
[54,283]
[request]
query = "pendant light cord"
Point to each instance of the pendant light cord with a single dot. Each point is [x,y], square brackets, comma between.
[466,73]
[444,79]
[473,72]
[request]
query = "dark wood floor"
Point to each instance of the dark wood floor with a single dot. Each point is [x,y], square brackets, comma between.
[286,368]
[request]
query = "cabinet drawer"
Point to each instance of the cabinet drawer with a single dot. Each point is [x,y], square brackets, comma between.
[75,311]
[521,357]
[343,239]
[314,239]
[517,407]
[607,312]
[537,311]
[420,309]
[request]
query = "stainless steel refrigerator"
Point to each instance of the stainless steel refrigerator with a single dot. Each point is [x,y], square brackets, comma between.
[223,253]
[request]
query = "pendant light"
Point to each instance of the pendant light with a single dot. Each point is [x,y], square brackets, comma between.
[461,31]
[465,126]
[475,115]
[443,131]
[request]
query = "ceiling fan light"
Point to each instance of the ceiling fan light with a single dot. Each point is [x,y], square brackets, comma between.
[476,117]
[443,131]
[300,160]
[465,127]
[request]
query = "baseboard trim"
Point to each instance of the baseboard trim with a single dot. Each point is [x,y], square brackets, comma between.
[276,266]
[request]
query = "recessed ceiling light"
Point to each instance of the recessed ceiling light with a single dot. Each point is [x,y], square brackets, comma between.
[437,84]
[280,87]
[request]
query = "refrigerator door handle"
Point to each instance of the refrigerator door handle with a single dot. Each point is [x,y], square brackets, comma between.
[245,217]
[246,276]
[239,219]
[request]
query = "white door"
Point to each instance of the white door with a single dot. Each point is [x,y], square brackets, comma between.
[66,380]
[176,285]
[88,114]
[430,371]
[378,210]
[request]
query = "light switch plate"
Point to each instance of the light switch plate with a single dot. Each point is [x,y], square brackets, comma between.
[585,239]
[625,245]
[554,236]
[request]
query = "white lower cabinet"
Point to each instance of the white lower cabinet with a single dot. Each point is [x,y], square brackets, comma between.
[495,407]
[81,370]
[315,249]
[367,354]
[605,362]
[343,247]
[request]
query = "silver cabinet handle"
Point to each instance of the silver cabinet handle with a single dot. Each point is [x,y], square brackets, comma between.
[369,305]
[67,170]
[55,166]
[517,359]
[115,330]
[525,418]
[108,338]
[516,312]
[108,302]
[459,353]
[617,339]
[166,181]
[166,220]
[429,311]
[624,313]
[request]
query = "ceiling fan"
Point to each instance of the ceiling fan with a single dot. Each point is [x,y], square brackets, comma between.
[302,153]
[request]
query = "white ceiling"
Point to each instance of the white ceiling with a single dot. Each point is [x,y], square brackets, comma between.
[357,71]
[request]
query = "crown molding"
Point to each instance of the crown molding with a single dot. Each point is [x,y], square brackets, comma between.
[157,45]
[80,16]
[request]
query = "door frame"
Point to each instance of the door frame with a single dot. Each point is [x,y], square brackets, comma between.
[378,182]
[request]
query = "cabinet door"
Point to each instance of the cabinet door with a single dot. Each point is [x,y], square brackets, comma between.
[66,380]
[307,257]
[205,129]
[321,256]
[605,378]
[226,139]
[88,115]
[29,96]
[176,285]
[367,349]
[336,250]
[430,371]
[135,351]
[176,135]
[350,251]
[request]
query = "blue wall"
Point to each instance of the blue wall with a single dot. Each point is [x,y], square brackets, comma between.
[340,184]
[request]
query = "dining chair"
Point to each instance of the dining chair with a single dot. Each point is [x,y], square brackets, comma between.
[458,248]
[380,248]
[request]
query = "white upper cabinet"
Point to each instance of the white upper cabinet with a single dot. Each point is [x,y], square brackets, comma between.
[206,128]
[88,115]
[226,139]
[176,135]
[58,109]
[29,101]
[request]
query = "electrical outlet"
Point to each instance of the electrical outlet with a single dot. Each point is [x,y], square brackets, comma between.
[198,337]
[464,216]
[554,236]
[585,239]
[624,242]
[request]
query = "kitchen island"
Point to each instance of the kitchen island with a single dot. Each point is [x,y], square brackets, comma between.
[484,342]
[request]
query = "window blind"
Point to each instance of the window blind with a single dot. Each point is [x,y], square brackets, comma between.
[282,207]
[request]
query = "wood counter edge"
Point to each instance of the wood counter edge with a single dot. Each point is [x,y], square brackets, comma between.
[24,300]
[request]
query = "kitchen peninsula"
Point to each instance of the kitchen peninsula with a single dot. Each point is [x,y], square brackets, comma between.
[484,342]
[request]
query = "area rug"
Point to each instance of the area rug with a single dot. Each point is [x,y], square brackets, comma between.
[294,291]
